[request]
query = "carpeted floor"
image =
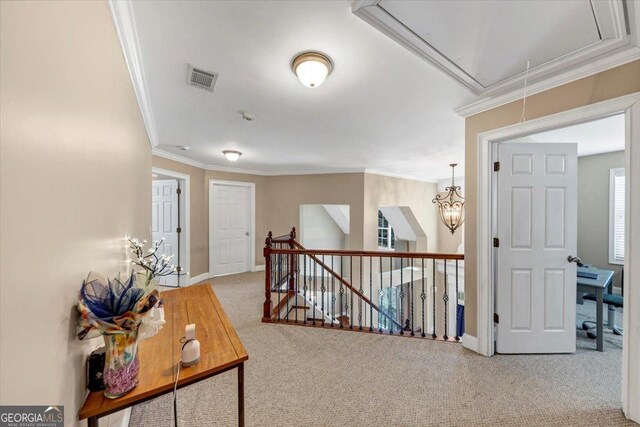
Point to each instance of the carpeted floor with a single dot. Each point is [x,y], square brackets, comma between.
[304,376]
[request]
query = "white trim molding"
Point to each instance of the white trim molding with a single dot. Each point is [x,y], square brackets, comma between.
[199,278]
[617,46]
[186,213]
[630,106]
[487,102]
[122,12]
[470,342]
[252,223]
[187,161]
[258,268]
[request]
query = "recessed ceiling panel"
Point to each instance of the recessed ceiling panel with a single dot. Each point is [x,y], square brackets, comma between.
[491,41]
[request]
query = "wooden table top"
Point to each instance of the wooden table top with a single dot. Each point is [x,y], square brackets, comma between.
[220,350]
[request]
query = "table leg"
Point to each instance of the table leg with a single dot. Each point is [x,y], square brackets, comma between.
[599,320]
[92,422]
[241,394]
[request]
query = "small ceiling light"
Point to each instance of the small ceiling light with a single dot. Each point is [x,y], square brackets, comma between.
[183,147]
[451,204]
[248,116]
[232,155]
[312,68]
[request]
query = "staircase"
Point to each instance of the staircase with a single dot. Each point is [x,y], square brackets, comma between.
[395,293]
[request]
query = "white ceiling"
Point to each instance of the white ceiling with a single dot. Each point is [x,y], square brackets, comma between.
[491,40]
[382,109]
[485,45]
[595,137]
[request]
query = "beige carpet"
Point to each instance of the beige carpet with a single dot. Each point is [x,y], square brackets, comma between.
[303,376]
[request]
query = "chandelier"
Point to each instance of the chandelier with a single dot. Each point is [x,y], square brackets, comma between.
[451,204]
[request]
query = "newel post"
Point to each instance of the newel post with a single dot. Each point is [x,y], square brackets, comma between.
[267,311]
[292,260]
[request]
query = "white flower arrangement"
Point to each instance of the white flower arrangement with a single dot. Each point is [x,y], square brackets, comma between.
[152,264]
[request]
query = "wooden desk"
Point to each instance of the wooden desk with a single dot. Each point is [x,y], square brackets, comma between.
[220,351]
[596,285]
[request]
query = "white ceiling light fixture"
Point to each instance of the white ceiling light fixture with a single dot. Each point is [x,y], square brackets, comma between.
[312,68]
[232,155]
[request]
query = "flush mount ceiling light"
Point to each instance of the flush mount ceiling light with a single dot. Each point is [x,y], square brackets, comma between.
[312,68]
[232,155]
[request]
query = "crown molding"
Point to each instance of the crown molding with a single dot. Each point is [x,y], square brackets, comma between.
[122,13]
[618,45]
[187,161]
[395,175]
[623,56]
[209,167]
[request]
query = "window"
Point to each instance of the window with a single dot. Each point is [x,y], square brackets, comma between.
[616,215]
[386,236]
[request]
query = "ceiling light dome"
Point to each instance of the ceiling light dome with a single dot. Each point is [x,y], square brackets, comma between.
[232,155]
[312,68]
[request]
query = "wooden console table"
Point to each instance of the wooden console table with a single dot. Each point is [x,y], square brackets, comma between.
[221,350]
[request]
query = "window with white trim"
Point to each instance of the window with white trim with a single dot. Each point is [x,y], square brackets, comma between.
[616,215]
[386,236]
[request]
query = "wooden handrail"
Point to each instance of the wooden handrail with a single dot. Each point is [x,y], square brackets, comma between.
[288,245]
[375,254]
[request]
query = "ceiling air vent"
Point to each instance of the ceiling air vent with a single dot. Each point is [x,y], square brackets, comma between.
[200,78]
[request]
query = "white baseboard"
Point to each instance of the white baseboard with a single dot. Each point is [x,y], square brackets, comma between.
[470,342]
[117,419]
[199,278]
[258,268]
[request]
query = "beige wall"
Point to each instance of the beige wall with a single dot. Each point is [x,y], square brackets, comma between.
[285,194]
[387,191]
[74,164]
[599,87]
[593,209]
[199,209]
[278,201]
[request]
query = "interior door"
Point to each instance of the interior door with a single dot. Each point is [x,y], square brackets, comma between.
[537,231]
[231,214]
[164,221]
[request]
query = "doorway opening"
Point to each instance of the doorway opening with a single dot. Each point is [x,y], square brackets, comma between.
[556,201]
[486,205]
[232,239]
[170,221]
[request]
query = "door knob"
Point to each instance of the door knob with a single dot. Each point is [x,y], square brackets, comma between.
[246,233]
[575,259]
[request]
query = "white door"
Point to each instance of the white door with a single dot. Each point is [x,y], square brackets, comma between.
[537,231]
[231,213]
[164,221]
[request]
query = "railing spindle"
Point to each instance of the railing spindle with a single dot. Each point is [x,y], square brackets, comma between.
[351,293]
[381,293]
[457,338]
[304,289]
[433,300]
[322,289]
[423,297]
[333,295]
[401,296]
[411,296]
[314,301]
[390,292]
[360,298]
[370,293]
[445,298]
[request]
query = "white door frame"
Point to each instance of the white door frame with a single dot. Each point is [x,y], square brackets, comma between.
[185,237]
[252,223]
[630,106]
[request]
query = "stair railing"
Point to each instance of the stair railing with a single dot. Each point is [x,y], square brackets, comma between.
[374,291]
